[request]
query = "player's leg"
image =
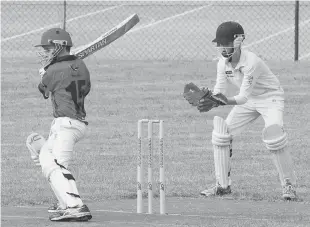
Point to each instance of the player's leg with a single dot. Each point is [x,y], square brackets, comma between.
[50,171]
[69,133]
[34,143]
[275,138]
[222,137]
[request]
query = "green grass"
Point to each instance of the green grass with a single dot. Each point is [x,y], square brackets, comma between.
[125,91]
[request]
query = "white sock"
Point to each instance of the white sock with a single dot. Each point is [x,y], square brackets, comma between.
[283,161]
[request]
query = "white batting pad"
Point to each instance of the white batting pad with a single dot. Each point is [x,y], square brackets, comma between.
[221,147]
[275,139]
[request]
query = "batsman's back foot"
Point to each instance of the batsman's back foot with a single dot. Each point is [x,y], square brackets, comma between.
[72,214]
[216,190]
[289,192]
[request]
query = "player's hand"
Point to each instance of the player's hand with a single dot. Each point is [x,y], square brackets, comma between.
[192,93]
[211,101]
[42,72]
[43,91]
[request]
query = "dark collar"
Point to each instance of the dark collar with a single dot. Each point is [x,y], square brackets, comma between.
[62,58]
[66,58]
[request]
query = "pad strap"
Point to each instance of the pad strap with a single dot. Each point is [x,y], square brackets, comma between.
[219,139]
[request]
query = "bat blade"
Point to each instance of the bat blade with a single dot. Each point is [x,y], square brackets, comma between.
[107,38]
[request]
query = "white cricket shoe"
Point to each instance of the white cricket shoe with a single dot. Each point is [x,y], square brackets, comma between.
[289,191]
[216,190]
[72,214]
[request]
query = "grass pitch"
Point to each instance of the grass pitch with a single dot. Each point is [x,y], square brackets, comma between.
[126,91]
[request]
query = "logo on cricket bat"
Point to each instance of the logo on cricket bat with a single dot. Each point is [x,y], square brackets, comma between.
[92,48]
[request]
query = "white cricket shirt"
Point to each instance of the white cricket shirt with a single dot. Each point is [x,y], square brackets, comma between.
[251,75]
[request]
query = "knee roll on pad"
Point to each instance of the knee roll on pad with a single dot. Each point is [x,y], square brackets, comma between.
[220,135]
[274,137]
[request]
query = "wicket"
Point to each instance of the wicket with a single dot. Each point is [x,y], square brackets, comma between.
[150,167]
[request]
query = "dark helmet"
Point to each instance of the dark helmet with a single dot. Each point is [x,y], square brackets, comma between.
[227,32]
[55,35]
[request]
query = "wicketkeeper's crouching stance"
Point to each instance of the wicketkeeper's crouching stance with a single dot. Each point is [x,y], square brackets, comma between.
[67,79]
[260,95]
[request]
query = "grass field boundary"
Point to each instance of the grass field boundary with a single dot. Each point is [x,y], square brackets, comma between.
[58,24]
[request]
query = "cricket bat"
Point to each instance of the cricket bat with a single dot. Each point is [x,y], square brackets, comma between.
[107,38]
[104,40]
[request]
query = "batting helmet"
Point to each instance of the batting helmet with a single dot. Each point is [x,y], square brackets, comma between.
[55,35]
[227,32]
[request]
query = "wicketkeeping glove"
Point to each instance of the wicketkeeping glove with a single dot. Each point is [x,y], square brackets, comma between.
[203,98]
[210,101]
[193,94]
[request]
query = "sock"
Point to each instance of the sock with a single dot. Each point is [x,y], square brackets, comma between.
[284,164]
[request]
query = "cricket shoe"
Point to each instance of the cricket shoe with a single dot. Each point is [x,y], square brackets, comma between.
[216,190]
[72,214]
[289,191]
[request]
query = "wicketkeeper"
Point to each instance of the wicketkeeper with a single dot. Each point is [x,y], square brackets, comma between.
[66,79]
[260,95]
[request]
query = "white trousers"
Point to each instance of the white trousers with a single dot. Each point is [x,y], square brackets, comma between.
[242,116]
[64,134]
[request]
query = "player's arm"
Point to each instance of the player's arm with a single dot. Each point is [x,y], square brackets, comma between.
[84,72]
[251,74]
[221,80]
[231,101]
[216,97]
[45,85]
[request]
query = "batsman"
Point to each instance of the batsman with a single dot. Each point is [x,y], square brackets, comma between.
[66,79]
[260,94]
